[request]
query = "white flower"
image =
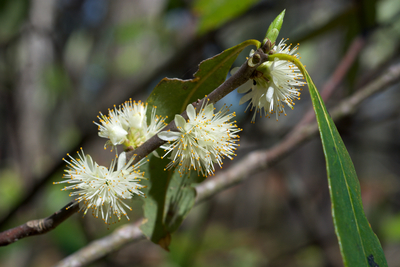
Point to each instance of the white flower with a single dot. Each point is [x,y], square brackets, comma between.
[112,128]
[100,189]
[276,82]
[127,125]
[134,116]
[204,139]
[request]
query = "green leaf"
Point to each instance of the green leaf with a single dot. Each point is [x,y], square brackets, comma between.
[154,203]
[171,96]
[358,243]
[180,198]
[213,14]
[170,196]
[275,27]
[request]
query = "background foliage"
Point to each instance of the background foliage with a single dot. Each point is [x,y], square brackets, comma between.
[63,61]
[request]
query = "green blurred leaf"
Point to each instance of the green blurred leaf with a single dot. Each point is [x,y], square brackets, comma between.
[127,32]
[171,96]
[56,80]
[391,228]
[68,242]
[10,189]
[12,15]
[214,13]
[170,197]
[357,241]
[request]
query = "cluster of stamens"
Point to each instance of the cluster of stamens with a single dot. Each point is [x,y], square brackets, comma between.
[204,139]
[276,84]
[127,125]
[102,189]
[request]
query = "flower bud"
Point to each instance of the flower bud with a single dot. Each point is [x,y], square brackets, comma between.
[274,28]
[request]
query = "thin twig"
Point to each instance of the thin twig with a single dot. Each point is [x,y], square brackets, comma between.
[38,227]
[338,75]
[245,168]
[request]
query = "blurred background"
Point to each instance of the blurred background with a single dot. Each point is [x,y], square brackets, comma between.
[63,61]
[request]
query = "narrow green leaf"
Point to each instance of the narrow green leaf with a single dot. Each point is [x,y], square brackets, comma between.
[170,196]
[359,245]
[171,96]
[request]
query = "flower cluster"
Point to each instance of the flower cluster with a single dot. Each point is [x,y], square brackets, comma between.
[201,141]
[275,82]
[204,139]
[127,125]
[100,189]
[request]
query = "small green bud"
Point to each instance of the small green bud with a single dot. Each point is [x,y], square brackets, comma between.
[271,36]
[275,27]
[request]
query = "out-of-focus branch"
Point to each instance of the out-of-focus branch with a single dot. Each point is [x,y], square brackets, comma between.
[350,105]
[29,91]
[37,227]
[245,168]
[103,246]
[336,78]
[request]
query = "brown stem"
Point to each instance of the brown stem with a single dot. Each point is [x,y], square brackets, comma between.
[38,227]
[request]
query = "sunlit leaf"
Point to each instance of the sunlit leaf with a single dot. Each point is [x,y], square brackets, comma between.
[358,243]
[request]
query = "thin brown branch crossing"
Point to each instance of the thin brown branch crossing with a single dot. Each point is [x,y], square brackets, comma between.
[37,227]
